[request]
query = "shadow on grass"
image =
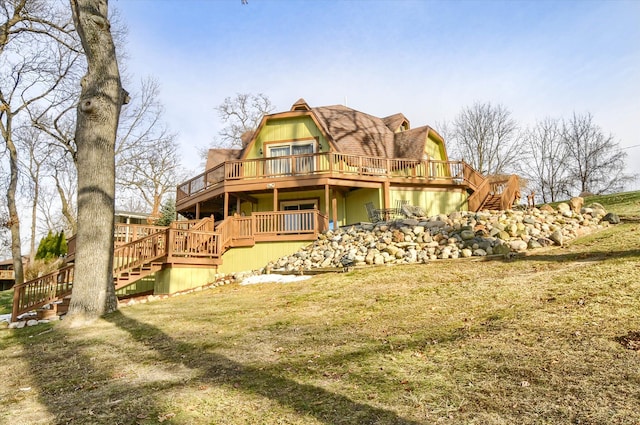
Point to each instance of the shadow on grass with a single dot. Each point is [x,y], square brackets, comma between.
[305,399]
[97,390]
[589,256]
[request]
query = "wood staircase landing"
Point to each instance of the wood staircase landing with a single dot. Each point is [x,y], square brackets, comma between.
[128,277]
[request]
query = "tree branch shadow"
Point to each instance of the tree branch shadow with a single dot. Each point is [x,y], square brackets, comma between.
[305,399]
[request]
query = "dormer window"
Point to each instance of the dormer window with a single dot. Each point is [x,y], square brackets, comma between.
[300,105]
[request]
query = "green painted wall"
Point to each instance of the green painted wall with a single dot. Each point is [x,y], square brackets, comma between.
[433,202]
[257,256]
[356,200]
[265,201]
[139,286]
[287,129]
[176,279]
[434,148]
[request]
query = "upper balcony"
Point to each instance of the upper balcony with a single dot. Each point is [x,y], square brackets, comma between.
[249,174]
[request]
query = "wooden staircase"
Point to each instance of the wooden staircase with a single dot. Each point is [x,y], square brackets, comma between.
[495,193]
[147,250]
[127,278]
[492,202]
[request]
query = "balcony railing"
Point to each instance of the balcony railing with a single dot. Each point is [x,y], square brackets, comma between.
[7,275]
[331,163]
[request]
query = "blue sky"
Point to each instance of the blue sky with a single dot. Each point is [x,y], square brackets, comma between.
[426,59]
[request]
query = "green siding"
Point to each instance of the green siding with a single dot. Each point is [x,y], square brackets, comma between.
[176,279]
[139,286]
[255,257]
[356,200]
[433,202]
[434,149]
[287,129]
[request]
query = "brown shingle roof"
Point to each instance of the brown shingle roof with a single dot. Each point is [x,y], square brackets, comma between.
[393,122]
[218,156]
[354,132]
[410,144]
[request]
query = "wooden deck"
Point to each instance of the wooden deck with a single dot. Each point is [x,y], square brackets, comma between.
[195,242]
[320,169]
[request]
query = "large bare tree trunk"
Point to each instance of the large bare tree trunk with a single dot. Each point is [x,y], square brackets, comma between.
[98,114]
[14,222]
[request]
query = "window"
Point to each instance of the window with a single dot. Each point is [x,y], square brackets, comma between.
[288,163]
[301,221]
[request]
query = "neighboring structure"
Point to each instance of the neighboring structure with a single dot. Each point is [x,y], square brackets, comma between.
[336,160]
[128,217]
[7,276]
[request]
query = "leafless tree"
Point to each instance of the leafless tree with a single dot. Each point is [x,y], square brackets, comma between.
[31,67]
[545,159]
[98,113]
[596,162]
[486,137]
[147,160]
[34,153]
[241,114]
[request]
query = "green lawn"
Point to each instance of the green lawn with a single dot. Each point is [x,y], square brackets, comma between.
[6,299]
[541,339]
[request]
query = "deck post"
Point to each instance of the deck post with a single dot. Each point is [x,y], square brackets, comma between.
[326,201]
[275,199]
[170,242]
[334,207]
[226,206]
[198,211]
[386,194]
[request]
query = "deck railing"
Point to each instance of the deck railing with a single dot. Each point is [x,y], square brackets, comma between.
[41,291]
[139,252]
[125,233]
[450,172]
[7,275]
[182,241]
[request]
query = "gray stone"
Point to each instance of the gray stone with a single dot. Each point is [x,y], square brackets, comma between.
[467,234]
[17,325]
[501,249]
[518,245]
[557,237]
[611,218]
[533,244]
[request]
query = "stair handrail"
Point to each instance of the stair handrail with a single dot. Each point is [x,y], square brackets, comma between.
[510,192]
[41,291]
[477,198]
[140,252]
[58,284]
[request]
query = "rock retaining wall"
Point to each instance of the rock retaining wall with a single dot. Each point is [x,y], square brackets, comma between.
[459,234]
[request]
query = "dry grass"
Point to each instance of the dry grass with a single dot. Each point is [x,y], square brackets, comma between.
[537,340]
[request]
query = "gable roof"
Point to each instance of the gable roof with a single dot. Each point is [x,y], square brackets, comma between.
[354,132]
[348,131]
[410,143]
[395,121]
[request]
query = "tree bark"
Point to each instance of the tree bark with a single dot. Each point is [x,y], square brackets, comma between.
[98,113]
[14,221]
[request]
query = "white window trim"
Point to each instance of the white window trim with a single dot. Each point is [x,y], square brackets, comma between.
[303,142]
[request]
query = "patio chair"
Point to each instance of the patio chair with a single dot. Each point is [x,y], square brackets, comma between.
[372,212]
[398,210]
